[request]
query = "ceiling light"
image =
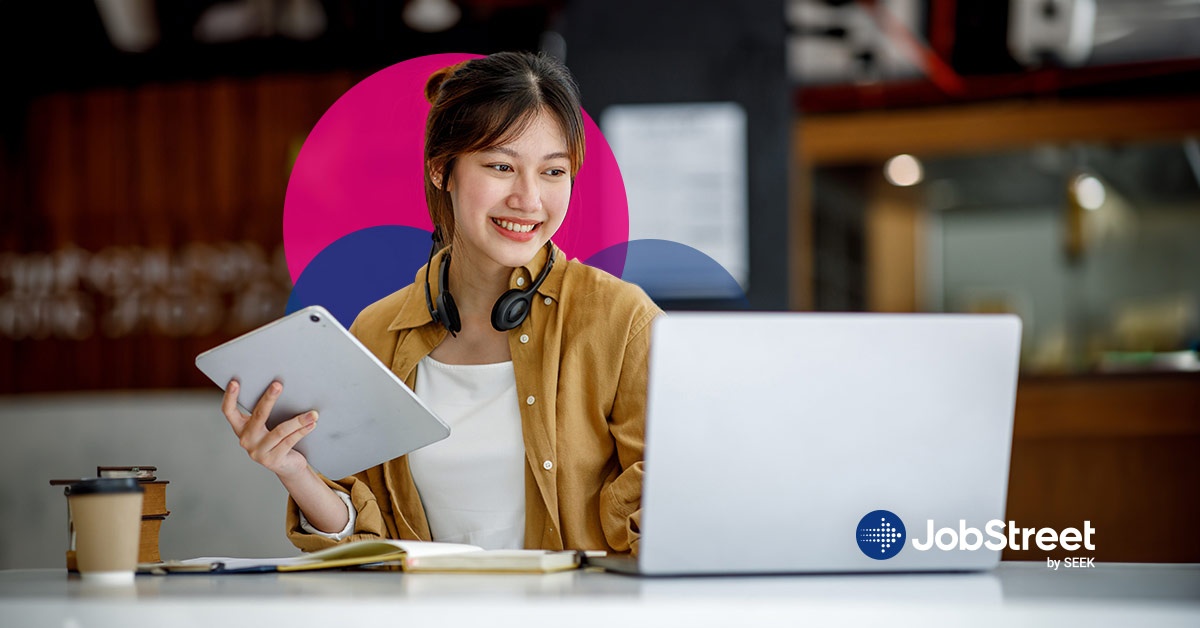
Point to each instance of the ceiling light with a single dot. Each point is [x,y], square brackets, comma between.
[1089,192]
[131,25]
[903,170]
[431,16]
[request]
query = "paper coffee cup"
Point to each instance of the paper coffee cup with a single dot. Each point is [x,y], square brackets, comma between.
[106,516]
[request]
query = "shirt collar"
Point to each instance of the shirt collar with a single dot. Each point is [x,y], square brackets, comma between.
[414,312]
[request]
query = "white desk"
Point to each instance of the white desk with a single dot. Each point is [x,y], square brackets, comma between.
[1015,594]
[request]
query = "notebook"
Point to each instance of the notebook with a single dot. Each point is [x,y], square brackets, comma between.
[414,556]
[798,442]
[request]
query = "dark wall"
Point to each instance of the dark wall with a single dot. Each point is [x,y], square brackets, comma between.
[677,51]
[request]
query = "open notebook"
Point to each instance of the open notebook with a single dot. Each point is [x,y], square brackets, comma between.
[407,555]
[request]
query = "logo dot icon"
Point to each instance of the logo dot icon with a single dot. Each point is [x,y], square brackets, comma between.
[880,534]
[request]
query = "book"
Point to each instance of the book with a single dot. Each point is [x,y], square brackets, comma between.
[142,472]
[154,498]
[154,494]
[148,539]
[496,561]
[417,556]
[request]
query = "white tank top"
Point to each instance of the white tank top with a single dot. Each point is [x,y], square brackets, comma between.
[472,484]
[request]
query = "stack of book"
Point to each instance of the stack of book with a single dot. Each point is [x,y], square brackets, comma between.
[154,505]
[154,508]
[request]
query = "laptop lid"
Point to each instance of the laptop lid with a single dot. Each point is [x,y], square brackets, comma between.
[775,440]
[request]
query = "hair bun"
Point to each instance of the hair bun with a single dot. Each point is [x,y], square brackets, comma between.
[434,84]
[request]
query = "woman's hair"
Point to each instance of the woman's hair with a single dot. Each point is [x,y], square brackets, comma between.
[484,103]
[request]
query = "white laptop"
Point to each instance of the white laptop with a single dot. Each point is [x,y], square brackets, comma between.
[798,442]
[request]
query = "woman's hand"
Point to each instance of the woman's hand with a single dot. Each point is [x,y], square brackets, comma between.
[270,448]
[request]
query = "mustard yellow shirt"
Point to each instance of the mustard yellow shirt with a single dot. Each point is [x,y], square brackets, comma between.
[580,359]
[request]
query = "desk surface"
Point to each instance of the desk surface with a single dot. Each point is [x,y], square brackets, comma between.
[1013,594]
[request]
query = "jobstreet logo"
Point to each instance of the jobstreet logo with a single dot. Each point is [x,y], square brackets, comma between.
[881,535]
[971,539]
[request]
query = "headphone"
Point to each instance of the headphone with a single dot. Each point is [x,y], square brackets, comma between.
[510,310]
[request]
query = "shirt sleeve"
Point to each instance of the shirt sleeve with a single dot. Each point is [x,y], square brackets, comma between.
[367,521]
[336,536]
[621,499]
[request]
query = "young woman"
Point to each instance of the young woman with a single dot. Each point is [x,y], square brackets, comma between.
[537,362]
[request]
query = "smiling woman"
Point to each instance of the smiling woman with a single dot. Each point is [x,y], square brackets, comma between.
[518,191]
[530,93]
[538,363]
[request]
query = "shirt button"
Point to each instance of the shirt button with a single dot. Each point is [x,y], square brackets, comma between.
[520,281]
[524,338]
[529,400]
[546,300]
[547,465]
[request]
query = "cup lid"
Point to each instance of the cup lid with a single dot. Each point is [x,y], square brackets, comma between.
[103,485]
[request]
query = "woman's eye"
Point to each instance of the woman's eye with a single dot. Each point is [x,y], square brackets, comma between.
[501,167]
[556,172]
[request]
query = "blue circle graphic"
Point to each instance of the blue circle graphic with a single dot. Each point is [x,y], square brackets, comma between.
[674,275]
[367,265]
[880,534]
[359,269]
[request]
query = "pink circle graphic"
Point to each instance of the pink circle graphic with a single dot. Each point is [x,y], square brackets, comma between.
[361,167]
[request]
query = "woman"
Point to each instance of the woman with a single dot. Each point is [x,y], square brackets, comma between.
[537,362]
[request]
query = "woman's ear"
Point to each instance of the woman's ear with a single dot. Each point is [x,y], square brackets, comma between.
[442,175]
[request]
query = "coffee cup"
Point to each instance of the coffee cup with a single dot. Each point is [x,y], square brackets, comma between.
[106,521]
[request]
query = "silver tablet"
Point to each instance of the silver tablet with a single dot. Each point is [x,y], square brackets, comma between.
[367,414]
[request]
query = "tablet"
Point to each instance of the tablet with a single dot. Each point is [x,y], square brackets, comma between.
[367,414]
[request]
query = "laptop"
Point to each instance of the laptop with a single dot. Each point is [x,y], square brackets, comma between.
[804,442]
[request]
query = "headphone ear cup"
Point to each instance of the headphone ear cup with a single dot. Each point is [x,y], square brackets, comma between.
[448,312]
[512,307]
[510,310]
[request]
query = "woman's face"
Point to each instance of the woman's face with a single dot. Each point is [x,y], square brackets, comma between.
[508,200]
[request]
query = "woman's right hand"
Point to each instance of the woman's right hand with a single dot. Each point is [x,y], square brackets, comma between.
[273,448]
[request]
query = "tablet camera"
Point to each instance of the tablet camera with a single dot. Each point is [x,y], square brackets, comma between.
[314,318]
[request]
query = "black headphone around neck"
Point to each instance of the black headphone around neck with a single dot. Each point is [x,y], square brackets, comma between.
[509,311]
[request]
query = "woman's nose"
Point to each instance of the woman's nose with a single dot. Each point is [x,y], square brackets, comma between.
[526,194]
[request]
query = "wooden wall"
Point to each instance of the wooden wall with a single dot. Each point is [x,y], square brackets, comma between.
[171,198]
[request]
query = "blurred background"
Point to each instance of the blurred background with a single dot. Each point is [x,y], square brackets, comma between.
[1038,157]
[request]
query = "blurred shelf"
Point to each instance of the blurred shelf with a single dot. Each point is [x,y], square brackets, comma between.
[979,127]
[1118,450]
[1108,404]
[1161,77]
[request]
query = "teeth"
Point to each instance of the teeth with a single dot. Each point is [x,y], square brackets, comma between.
[512,226]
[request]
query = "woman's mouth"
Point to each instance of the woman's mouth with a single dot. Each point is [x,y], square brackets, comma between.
[514,229]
